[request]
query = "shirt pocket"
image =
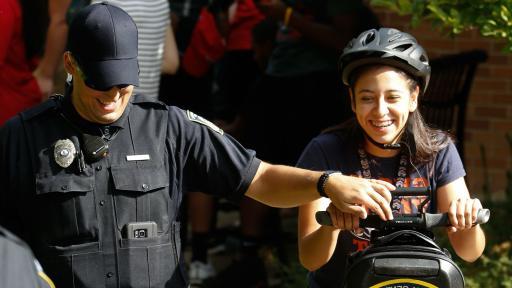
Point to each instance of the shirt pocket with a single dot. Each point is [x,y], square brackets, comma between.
[65,210]
[142,194]
[153,260]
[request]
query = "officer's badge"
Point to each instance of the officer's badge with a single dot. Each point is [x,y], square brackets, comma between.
[64,152]
[196,118]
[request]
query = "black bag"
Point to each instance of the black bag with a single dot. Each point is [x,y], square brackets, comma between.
[18,267]
[405,258]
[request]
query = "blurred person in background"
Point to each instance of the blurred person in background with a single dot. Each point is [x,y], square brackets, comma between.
[21,31]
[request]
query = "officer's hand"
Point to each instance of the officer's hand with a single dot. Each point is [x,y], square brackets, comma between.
[352,195]
[341,220]
[462,213]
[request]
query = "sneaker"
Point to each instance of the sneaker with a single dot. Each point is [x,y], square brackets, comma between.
[199,271]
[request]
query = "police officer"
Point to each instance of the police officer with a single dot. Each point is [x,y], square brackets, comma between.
[92,181]
[18,267]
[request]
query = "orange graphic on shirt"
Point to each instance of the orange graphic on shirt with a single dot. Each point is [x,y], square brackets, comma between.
[411,204]
[360,244]
[408,205]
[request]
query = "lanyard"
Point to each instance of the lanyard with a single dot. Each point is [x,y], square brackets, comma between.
[401,174]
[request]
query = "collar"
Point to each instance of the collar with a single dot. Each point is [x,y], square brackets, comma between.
[86,126]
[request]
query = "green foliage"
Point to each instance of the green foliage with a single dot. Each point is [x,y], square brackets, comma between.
[493,18]
[288,270]
[494,268]
[294,275]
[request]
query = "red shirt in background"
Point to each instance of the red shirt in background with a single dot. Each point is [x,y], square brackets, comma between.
[18,88]
[246,17]
[207,45]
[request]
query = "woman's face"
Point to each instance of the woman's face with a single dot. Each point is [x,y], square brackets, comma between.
[382,102]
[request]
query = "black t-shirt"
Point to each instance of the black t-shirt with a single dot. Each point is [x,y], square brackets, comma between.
[338,151]
[75,219]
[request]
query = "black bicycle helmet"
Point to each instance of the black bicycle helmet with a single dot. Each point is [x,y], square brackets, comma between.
[386,46]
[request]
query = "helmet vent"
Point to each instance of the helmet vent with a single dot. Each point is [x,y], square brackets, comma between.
[394,37]
[369,38]
[402,47]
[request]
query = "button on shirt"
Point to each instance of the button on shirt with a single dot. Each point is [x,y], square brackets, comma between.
[76,222]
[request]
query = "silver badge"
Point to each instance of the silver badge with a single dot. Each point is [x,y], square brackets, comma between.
[64,152]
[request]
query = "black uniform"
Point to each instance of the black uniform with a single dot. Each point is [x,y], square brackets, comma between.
[18,267]
[75,218]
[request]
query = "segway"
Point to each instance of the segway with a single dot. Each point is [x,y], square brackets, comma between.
[402,252]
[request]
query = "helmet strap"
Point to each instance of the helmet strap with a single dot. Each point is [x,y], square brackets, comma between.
[386,146]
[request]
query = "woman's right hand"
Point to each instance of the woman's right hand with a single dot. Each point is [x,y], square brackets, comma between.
[341,220]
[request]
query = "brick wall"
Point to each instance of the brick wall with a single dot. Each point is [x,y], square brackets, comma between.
[489,111]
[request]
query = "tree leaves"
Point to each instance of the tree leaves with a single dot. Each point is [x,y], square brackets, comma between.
[493,18]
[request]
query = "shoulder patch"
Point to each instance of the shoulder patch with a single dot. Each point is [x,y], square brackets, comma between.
[196,118]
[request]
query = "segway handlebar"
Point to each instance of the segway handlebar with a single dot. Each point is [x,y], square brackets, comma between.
[406,221]
[419,221]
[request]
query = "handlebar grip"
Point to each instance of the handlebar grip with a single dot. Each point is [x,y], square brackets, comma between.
[483,216]
[372,221]
[323,218]
[436,220]
[441,219]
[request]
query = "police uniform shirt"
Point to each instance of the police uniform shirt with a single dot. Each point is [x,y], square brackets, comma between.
[18,267]
[75,218]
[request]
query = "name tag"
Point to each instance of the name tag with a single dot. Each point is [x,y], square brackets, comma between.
[137,157]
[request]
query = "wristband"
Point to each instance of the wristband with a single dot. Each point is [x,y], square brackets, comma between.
[322,181]
[287,16]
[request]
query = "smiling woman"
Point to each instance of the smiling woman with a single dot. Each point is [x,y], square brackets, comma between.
[386,71]
[383,100]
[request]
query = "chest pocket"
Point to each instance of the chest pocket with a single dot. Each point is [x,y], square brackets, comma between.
[142,193]
[66,213]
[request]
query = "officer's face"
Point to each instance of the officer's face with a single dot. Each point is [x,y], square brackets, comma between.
[103,107]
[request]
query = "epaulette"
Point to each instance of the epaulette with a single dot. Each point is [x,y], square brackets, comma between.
[49,105]
[145,100]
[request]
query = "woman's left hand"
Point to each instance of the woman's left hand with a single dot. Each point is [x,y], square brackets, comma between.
[341,220]
[462,213]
